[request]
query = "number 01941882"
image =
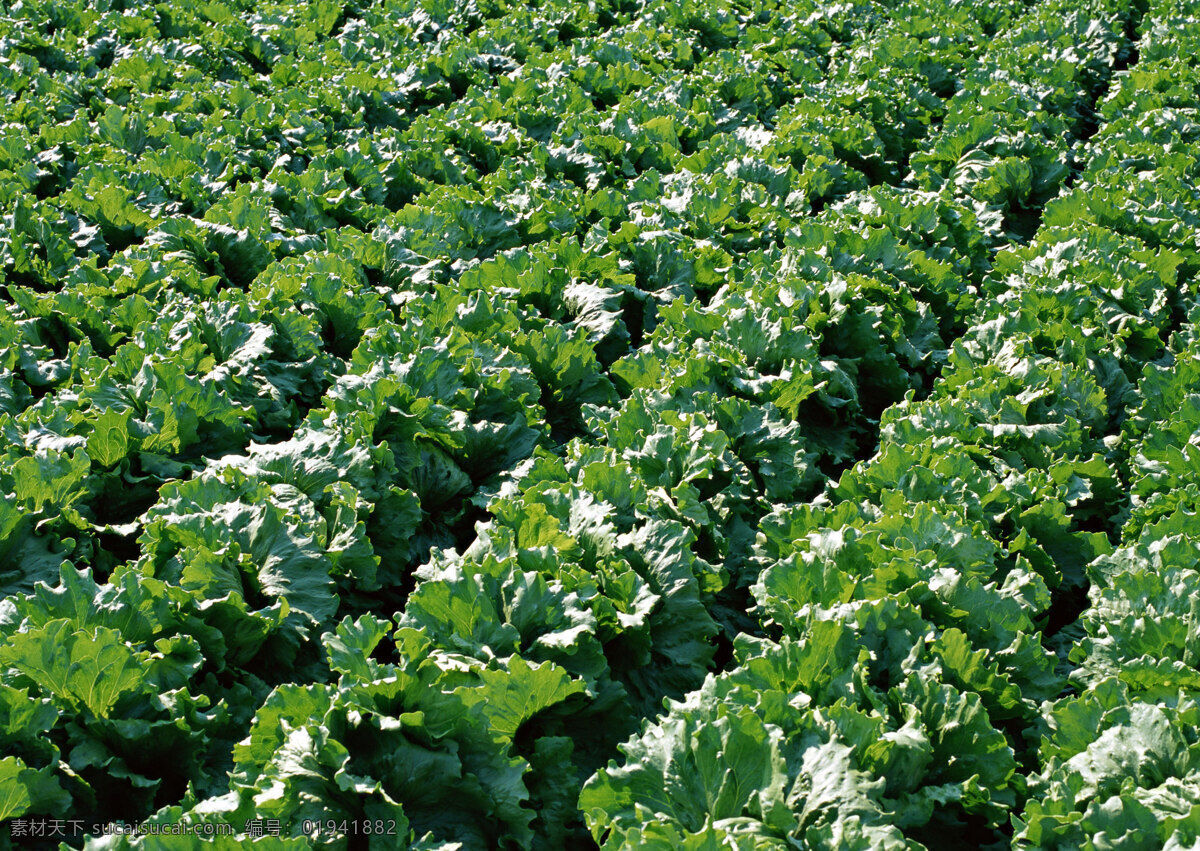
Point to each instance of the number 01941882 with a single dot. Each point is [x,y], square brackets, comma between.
[349,827]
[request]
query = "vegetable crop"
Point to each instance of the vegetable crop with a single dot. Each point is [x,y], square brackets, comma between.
[634,424]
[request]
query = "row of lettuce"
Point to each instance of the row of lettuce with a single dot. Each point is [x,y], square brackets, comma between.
[1119,759]
[912,691]
[405,459]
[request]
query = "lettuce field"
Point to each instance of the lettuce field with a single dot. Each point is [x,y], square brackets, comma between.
[624,424]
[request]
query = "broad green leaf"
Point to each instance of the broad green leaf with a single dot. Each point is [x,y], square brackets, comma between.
[89,669]
[14,797]
[109,440]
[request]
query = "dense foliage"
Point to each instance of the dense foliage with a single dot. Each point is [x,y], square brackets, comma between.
[636,424]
